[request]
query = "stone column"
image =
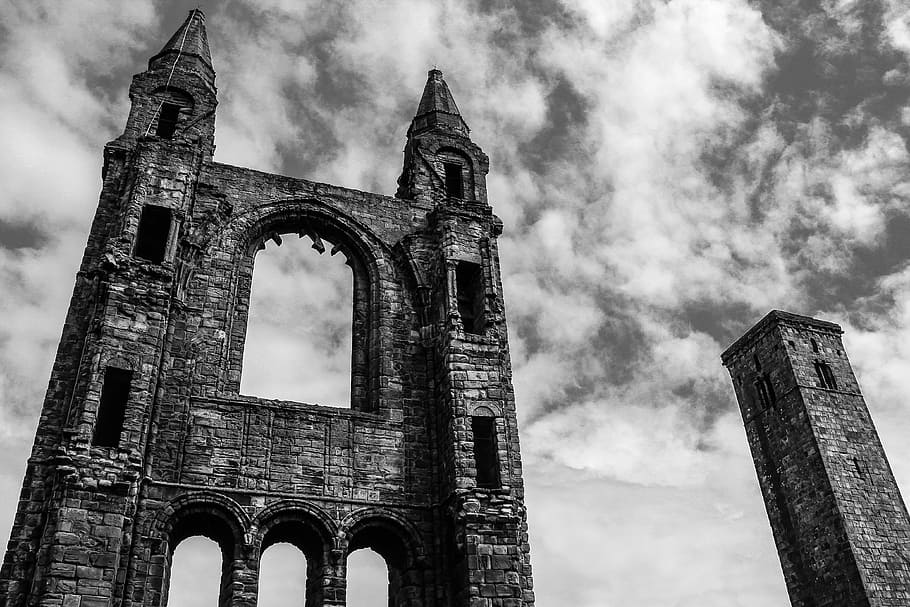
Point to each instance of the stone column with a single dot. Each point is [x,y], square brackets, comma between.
[326,583]
[240,583]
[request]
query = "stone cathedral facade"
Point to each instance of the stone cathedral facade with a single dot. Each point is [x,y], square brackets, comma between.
[144,439]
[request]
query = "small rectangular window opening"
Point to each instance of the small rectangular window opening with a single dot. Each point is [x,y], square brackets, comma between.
[485,454]
[825,375]
[765,391]
[470,294]
[154,229]
[111,411]
[454,181]
[167,120]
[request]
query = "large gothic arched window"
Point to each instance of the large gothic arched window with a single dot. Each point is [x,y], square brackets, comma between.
[299,332]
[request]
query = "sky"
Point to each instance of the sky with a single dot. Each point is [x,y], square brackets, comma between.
[667,172]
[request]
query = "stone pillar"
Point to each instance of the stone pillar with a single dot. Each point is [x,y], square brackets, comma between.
[240,583]
[326,583]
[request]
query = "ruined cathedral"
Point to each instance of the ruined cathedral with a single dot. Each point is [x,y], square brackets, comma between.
[144,439]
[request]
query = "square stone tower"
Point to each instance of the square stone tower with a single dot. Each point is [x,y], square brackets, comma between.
[144,439]
[840,525]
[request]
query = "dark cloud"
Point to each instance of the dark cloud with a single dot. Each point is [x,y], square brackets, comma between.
[21,236]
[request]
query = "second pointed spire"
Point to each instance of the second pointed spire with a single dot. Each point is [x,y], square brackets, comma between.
[437,108]
[189,40]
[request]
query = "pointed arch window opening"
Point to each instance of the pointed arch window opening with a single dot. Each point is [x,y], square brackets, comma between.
[305,337]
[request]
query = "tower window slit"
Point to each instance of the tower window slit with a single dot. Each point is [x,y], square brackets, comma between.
[765,391]
[111,411]
[154,230]
[469,291]
[825,375]
[168,116]
[485,454]
[454,180]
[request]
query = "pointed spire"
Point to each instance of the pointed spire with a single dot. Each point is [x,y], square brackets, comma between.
[189,40]
[437,109]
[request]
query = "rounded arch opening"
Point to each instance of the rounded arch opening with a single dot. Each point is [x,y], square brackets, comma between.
[196,573]
[394,544]
[369,579]
[205,524]
[202,538]
[382,539]
[295,539]
[299,533]
[283,573]
[387,533]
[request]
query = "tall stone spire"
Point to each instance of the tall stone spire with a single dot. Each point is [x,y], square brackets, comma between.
[441,163]
[437,109]
[190,42]
[175,98]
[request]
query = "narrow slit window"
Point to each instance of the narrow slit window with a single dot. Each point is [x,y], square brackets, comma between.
[814,345]
[765,391]
[485,456]
[825,375]
[154,230]
[167,120]
[112,409]
[454,181]
[469,287]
